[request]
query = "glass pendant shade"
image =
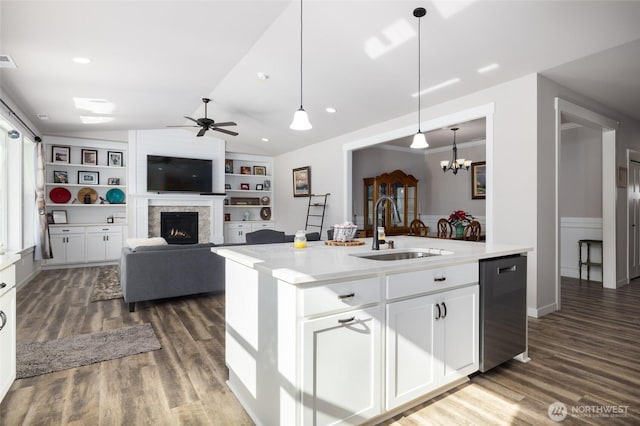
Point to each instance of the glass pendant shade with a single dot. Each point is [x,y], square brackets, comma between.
[300,120]
[419,141]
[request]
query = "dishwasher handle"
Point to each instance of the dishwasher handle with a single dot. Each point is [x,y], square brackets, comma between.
[507,269]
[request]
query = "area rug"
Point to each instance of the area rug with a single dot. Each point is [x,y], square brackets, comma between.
[107,284]
[37,358]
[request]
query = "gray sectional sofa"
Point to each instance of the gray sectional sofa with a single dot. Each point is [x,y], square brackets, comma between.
[158,272]
[162,271]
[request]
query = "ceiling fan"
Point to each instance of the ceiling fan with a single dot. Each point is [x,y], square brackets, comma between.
[208,123]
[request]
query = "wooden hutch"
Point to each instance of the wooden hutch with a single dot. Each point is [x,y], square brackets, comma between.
[403,189]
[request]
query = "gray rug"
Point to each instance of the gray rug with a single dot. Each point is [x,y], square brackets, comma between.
[38,358]
[107,284]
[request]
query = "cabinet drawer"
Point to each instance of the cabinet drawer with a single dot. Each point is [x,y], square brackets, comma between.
[107,228]
[332,297]
[237,226]
[8,278]
[64,230]
[431,280]
[257,226]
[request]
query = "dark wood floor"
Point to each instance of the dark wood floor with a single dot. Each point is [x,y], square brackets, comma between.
[586,355]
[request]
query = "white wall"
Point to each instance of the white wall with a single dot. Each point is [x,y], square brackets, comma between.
[513,158]
[580,181]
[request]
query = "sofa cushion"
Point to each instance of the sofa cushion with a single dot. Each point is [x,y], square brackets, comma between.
[134,243]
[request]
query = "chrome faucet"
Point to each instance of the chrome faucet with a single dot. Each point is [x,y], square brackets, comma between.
[395,215]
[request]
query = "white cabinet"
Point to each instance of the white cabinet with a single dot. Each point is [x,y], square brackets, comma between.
[7,329]
[341,367]
[67,245]
[431,340]
[104,243]
[234,232]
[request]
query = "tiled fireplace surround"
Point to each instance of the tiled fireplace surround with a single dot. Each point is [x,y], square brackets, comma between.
[204,219]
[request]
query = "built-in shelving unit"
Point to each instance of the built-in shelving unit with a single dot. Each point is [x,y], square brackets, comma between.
[75,224]
[249,195]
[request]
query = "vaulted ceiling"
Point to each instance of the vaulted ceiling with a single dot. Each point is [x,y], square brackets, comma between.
[153,61]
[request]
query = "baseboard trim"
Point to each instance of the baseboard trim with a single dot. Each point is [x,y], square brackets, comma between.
[540,312]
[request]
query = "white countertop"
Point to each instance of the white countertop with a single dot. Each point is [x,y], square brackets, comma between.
[8,259]
[320,262]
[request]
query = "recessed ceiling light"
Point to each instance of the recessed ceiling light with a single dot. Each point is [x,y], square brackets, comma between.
[81,60]
[331,110]
[94,120]
[43,116]
[437,86]
[265,139]
[488,68]
[262,76]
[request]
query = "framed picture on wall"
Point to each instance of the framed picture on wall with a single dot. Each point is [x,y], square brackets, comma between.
[90,156]
[302,182]
[60,154]
[479,180]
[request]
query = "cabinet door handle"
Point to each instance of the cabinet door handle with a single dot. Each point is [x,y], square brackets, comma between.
[445,310]
[346,296]
[346,320]
[439,311]
[439,279]
[3,317]
[2,285]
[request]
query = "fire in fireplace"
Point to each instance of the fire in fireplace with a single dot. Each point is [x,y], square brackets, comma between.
[179,227]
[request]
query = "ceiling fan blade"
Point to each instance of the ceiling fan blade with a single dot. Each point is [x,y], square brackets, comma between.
[229,132]
[192,119]
[182,126]
[202,132]
[226,123]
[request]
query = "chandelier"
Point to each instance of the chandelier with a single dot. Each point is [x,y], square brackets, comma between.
[456,163]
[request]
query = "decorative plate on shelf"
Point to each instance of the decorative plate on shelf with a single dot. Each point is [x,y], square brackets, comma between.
[93,195]
[59,195]
[265,200]
[115,196]
[265,213]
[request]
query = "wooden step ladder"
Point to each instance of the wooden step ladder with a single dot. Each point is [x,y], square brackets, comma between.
[315,211]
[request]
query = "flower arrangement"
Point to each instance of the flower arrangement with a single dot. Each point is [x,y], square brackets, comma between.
[460,218]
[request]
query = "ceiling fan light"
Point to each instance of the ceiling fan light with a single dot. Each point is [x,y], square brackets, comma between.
[300,120]
[419,141]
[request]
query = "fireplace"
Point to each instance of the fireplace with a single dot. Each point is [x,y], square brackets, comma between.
[179,227]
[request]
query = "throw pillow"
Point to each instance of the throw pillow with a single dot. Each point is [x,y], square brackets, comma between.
[133,243]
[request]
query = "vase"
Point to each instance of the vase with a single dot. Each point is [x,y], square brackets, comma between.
[459,230]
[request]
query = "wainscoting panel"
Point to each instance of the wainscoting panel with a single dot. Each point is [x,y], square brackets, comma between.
[573,229]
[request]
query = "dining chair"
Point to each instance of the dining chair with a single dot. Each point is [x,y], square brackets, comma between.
[472,231]
[418,228]
[444,229]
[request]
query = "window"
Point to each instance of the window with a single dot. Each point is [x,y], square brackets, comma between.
[29,211]
[4,211]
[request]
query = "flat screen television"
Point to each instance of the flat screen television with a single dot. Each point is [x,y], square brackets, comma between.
[178,174]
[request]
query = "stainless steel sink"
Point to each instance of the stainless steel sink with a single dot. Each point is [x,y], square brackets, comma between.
[403,254]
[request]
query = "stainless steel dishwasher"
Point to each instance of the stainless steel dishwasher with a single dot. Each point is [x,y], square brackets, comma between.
[503,309]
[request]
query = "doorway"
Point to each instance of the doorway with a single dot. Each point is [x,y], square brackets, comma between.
[571,112]
[633,205]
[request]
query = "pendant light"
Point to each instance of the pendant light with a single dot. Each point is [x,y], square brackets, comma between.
[419,140]
[456,163]
[300,117]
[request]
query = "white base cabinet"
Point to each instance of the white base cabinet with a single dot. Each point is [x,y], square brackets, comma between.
[343,352]
[78,244]
[431,341]
[104,243]
[341,367]
[67,245]
[234,232]
[7,329]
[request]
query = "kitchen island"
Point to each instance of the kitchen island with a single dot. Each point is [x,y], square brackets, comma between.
[323,335]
